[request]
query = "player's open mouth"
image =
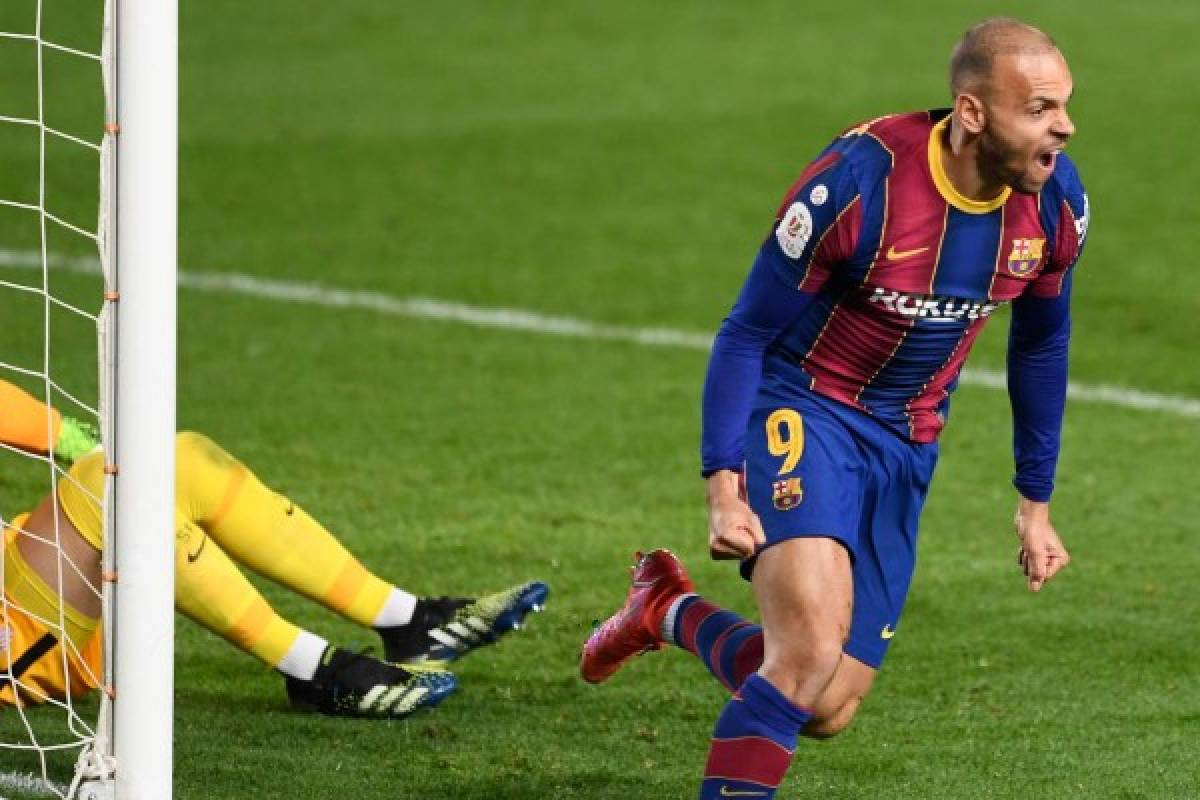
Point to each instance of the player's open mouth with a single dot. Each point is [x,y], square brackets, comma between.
[1046,159]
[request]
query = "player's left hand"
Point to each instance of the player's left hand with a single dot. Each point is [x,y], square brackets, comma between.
[1042,553]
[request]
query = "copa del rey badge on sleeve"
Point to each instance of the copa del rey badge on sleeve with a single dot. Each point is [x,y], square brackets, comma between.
[794,230]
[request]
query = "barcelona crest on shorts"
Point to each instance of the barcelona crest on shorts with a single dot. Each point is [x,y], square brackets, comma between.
[1025,255]
[787,493]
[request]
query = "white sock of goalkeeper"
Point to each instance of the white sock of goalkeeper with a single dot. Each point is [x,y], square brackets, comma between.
[397,609]
[303,657]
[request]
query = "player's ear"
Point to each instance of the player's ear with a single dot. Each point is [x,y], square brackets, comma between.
[971,113]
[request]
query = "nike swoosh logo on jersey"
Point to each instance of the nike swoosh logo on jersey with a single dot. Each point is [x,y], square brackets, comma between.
[898,255]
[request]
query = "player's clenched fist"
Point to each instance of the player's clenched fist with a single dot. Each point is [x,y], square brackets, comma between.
[1042,553]
[734,531]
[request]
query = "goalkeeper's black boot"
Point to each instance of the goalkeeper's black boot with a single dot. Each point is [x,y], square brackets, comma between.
[350,684]
[445,628]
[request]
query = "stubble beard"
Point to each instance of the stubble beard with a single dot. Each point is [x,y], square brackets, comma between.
[993,162]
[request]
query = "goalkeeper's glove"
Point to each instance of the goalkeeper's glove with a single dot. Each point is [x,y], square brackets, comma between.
[75,438]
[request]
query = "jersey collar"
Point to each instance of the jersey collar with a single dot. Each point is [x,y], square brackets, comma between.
[942,181]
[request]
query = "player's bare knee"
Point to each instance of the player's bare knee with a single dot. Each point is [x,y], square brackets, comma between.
[803,672]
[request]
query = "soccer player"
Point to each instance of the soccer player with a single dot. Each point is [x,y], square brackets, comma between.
[829,383]
[225,516]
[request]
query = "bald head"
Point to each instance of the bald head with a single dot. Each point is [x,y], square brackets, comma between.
[975,54]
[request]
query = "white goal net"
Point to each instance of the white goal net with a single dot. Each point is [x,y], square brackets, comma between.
[59,300]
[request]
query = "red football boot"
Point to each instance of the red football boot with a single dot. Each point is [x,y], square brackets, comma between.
[658,578]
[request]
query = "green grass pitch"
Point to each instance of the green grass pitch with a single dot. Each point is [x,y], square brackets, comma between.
[619,162]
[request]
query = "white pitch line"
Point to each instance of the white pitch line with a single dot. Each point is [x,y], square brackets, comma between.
[30,784]
[534,322]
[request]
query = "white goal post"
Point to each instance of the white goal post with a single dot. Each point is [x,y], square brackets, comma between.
[143,557]
[138,338]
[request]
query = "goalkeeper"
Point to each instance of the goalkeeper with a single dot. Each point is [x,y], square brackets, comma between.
[224,516]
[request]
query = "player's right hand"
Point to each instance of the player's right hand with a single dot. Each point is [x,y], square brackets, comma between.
[1042,553]
[734,530]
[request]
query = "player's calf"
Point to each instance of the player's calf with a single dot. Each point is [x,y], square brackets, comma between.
[839,703]
[829,727]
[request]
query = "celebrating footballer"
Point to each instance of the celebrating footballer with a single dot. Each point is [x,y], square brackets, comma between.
[829,383]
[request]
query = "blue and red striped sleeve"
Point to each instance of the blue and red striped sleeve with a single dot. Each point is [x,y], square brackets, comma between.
[816,228]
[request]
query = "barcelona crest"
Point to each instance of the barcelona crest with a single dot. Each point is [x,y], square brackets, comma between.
[1025,255]
[787,493]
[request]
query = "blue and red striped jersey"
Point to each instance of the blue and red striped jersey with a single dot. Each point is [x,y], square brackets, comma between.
[905,270]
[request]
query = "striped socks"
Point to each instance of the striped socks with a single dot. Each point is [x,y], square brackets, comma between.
[756,733]
[752,743]
[729,646]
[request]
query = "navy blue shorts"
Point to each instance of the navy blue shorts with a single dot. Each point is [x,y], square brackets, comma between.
[817,467]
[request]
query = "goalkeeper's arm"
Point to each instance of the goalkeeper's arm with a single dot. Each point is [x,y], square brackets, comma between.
[28,424]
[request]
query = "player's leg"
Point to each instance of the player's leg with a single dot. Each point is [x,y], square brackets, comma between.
[893,494]
[732,650]
[271,535]
[211,590]
[729,646]
[804,590]
[834,710]
[805,476]
[208,586]
[888,503]
[268,533]
[817,495]
[662,607]
[805,593]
